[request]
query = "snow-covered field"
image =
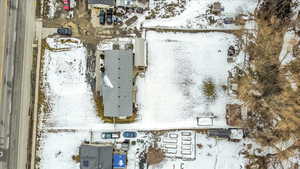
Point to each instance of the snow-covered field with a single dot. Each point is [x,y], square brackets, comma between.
[57,149]
[170,95]
[70,97]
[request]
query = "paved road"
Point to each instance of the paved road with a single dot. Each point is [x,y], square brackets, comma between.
[15,82]
[4,118]
[7,77]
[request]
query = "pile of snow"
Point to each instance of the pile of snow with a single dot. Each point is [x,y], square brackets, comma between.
[64,43]
[52,5]
[290,40]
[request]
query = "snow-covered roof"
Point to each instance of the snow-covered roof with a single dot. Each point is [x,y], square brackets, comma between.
[140,56]
[236,134]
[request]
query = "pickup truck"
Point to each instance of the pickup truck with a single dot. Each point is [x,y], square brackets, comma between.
[110,135]
[102,17]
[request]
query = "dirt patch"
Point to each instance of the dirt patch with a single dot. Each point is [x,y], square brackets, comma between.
[155,156]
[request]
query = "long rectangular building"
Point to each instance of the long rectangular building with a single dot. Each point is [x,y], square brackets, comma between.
[117,93]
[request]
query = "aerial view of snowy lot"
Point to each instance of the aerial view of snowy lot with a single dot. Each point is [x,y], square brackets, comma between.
[185,69]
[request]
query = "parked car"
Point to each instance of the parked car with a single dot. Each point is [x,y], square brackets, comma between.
[110,135]
[64,31]
[129,134]
[109,16]
[102,17]
[67,5]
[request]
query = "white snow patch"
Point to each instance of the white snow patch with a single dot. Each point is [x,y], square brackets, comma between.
[286,54]
[52,4]
[57,149]
[71,99]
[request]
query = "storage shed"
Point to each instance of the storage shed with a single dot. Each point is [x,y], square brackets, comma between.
[219,133]
[101,3]
[140,59]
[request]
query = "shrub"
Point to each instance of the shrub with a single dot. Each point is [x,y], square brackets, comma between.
[209,90]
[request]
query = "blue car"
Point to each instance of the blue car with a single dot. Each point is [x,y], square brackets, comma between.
[64,31]
[129,134]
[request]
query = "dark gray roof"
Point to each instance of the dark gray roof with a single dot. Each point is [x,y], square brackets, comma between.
[223,133]
[105,2]
[95,156]
[119,69]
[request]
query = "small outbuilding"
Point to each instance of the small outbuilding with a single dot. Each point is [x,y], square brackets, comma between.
[101,3]
[125,3]
[132,3]
[219,133]
[94,156]
[233,114]
[236,134]
[140,59]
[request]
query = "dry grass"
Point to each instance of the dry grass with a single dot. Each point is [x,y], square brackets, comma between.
[209,90]
[76,158]
[273,105]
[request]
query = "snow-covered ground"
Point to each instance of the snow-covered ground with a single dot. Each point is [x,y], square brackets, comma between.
[58,149]
[70,97]
[170,95]
[195,15]
[213,154]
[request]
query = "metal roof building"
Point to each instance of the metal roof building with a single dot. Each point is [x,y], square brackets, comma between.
[102,2]
[140,54]
[117,98]
[221,133]
[96,156]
